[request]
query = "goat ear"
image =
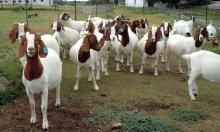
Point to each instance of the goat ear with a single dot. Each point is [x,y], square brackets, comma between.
[42,50]
[169,26]
[14,33]
[20,50]
[26,28]
[62,28]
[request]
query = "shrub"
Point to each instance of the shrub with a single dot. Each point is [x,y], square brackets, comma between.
[133,122]
[187,115]
[11,69]
[141,123]
[106,116]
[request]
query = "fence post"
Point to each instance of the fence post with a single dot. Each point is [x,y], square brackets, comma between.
[26,12]
[96,9]
[75,9]
[206,15]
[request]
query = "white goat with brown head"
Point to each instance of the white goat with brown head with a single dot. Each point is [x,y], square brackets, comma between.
[66,37]
[178,45]
[151,45]
[81,53]
[20,29]
[41,72]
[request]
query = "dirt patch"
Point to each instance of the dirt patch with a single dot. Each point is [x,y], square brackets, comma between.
[153,105]
[68,117]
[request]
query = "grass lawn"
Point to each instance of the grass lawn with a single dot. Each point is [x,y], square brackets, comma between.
[120,92]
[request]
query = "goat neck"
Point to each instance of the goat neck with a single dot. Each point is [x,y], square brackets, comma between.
[33,68]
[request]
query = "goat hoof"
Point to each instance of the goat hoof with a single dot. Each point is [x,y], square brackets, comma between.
[45,125]
[57,105]
[75,88]
[96,88]
[195,94]
[98,78]
[33,120]
[131,70]
[193,99]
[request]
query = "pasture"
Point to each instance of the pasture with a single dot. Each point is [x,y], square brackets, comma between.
[120,92]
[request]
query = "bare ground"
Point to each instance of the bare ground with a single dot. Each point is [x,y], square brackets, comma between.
[67,117]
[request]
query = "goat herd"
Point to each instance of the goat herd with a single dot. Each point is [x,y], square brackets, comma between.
[88,43]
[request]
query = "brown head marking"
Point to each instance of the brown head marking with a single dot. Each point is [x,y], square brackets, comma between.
[91,27]
[135,24]
[89,42]
[13,35]
[65,16]
[60,26]
[34,68]
[150,46]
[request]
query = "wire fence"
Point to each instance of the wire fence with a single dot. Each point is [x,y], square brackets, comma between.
[81,10]
[203,15]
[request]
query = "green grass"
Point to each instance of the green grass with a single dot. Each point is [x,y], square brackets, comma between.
[188,115]
[141,123]
[123,90]
[132,122]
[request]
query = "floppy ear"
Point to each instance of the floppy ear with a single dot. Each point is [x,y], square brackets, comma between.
[158,34]
[169,26]
[14,33]
[162,24]
[42,48]
[26,28]
[20,50]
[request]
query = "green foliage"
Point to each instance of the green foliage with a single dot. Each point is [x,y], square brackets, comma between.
[216,50]
[106,116]
[11,69]
[133,122]
[8,95]
[141,123]
[187,115]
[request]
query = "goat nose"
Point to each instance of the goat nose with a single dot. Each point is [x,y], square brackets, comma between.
[113,38]
[30,48]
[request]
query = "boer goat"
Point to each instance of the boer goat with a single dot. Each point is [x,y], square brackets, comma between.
[103,37]
[20,29]
[179,45]
[66,36]
[203,63]
[165,28]
[212,34]
[151,45]
[144,26]
[128,41]
[183,27]
[76,25]
[83,56]
[41,72]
